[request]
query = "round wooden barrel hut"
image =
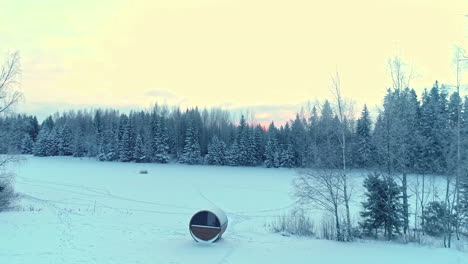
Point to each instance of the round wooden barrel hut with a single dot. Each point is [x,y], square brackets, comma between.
[208,225]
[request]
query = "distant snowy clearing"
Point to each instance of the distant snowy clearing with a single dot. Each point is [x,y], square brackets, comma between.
[84,211]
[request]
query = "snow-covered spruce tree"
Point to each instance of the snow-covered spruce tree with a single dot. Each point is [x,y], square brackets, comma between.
[216,152]
[191,153]
[382,208]
[102,153]
[434,215]
[53,143]
[100,131]
[111,145]
[434,128]
[259,144]
[328,127]
[126,138]
[252,147]
[65,141]
[452,108]
[40,146]
[99,127]
[312,136]
[33,127]
[159,143]
[27,145]
[139,153]
[287,159]
[298,139]
[364,148]
[241,151]
[273,148]
[79,149]
[272,153]
[232,155]
[379,137]
[244,155]
[48,124]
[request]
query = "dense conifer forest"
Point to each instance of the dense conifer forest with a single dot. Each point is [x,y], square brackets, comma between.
[410,133]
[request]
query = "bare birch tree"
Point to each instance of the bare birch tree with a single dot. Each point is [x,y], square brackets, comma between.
[9,96]
[343,116]
[320,189]
[9,75]
[460,58]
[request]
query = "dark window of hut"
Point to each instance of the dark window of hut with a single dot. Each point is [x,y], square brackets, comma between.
[205,219]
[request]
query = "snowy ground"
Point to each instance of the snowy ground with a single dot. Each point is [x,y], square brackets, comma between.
[84,211]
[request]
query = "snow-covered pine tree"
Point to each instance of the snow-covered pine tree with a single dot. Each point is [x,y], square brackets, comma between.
[452,155]
[434,129]
[272,151]
[112,141]
[102,153]
[379,136]
[287,159]
[382,208]
[272,154]
[125,143]
[40,146]
[298,140]
[251,147]
[216,152]
[53,143]
[27,145]
[139,153]
[191,153]
[48,124]
[364,148]
[259,144]
[232,155]
[433,218]
[79,149]
[245,153]
[159,144]
[34,128]
[241,151]
[328,141]
[65,141]
[312,136]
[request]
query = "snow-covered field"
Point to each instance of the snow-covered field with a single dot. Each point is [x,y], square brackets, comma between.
[85,211]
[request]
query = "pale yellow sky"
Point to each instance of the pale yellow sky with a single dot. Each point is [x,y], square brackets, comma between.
[265,55]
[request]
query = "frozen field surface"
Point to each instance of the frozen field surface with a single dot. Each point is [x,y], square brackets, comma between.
[84,211]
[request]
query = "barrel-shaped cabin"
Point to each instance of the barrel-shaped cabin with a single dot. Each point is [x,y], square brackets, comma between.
[208,225]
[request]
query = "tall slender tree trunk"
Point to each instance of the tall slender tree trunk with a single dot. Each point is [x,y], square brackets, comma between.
[447,226]
[345,189]
[343,120]
[405,204]
[339,235]
[457,179]
[422,199]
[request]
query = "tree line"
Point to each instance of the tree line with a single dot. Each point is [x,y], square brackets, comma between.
[409,134]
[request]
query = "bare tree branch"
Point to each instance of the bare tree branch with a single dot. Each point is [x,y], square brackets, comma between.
[9,75]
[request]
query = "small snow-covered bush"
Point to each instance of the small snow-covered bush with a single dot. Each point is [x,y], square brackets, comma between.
[434,215]
[7,194]
[296,223]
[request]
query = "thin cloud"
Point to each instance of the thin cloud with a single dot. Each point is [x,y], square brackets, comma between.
[161,93]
